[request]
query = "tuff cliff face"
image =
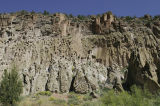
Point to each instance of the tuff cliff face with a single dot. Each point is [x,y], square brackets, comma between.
[62,54]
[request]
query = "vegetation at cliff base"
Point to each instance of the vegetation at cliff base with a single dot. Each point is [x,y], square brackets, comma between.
[10,88]
[135,97]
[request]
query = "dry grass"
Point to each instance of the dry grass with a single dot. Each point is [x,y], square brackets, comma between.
[42,100]
[70,99]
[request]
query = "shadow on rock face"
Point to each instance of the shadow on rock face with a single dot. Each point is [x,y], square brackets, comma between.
[142,72]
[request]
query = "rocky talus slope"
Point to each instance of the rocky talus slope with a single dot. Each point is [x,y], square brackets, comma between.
[63,54]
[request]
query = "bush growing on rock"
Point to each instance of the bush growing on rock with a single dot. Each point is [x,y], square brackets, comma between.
[129,18]
[70,16]
[81,17]
[156,17]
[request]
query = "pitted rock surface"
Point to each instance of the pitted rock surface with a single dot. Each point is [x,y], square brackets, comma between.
[62,54]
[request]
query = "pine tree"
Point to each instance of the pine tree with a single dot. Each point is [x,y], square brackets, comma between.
[45,12]
[10,87]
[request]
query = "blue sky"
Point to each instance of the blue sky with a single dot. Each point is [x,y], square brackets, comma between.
[84,7]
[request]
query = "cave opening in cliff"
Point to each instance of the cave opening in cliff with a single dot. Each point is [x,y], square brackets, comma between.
[72,85]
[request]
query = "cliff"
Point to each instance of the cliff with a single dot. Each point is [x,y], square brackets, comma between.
[62,54]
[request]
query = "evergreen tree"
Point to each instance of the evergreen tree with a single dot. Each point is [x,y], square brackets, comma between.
[10,87]
[81,17]
[45,12]
[71,16]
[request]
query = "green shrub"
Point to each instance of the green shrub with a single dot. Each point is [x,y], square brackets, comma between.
[137,97]
[81,17]
[70,16]
[51,98]
[39,102]
[10,87]
[45,93]
[129,18]
[45,12]
[156,17]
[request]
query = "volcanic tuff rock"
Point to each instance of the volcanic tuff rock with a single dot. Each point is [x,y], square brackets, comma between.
[62,54]
[142,71]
